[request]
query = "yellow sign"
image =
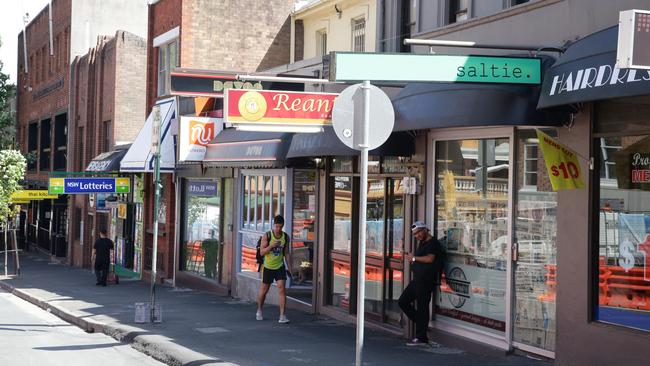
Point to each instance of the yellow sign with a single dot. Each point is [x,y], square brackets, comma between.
[121,211]
[28,195]
[561,162]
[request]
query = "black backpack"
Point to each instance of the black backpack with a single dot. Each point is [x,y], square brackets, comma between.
[260,258]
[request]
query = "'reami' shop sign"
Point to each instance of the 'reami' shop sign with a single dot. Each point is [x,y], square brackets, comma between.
[278,108]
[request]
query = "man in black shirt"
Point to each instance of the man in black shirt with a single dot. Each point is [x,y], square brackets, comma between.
[425,263]
[102,256]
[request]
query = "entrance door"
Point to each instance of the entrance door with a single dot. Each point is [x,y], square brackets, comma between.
[534,266]
[472,186]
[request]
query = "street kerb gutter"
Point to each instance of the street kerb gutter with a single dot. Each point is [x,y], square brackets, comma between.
[153,345]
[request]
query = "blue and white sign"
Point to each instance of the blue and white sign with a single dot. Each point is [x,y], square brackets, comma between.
[202,188]
[89,185]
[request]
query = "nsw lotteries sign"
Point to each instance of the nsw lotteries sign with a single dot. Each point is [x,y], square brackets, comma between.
[278,108]
[89,185]
[195,134]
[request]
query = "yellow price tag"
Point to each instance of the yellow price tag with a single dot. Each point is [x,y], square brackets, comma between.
[561,162]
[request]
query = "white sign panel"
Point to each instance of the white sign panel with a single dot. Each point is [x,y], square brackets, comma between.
[195,134]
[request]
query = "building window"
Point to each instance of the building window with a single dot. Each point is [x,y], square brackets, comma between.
[264,196]
[46,145]
[621,231]
[80,151]
[531,158]
[32,145]
[321,42]
[167,61]
[60,141]
[359,35]
[518,2]
[458,11]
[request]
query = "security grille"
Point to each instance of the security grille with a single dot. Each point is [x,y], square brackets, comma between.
[358,35]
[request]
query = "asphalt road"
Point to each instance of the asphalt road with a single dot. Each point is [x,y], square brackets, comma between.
[32,336]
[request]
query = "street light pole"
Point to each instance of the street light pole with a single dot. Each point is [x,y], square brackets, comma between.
[155,149]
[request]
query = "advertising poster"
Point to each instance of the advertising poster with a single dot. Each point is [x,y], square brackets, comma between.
[195,134]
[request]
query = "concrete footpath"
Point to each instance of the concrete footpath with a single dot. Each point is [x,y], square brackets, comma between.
[201,328]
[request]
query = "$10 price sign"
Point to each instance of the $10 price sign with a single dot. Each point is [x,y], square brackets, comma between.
[561,162]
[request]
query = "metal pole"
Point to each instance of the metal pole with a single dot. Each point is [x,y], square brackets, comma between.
[156,208]
[50,21]
[471,44]
[6,248]
[25,21]
[361,270]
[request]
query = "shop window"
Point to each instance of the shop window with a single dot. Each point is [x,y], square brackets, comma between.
[263,197]
[341,242]
[167,61]
[342,164]
[358,35]
[471,214]
[518,2]
[202,248]
[622,231]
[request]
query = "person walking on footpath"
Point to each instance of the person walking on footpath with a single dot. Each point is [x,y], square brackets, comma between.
[274,249]
[425,263]
[102,256]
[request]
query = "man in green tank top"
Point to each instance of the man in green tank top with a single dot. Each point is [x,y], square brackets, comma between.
[274,249]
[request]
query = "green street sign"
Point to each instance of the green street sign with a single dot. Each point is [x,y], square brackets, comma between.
[408,67]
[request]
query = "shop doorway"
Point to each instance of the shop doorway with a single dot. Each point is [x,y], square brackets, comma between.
[499,285]
[384,270]
[472,188]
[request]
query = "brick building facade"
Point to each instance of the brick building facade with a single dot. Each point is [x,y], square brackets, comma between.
[212,35]
[108,105]
[43,98]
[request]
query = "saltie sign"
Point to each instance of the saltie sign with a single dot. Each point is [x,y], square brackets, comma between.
[278,108]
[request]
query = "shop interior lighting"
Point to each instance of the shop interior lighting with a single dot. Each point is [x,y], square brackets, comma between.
[279,128]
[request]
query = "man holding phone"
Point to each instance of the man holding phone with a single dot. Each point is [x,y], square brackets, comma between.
[425,263]
[274,248]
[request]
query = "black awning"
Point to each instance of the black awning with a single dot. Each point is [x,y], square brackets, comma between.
[422,106]
[326,143]
[587,72]
[108,161]
[247,149]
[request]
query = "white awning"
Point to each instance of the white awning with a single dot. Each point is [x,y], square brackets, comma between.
[139,158]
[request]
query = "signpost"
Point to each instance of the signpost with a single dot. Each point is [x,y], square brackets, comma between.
[351,118]
[406,67]
[155,150]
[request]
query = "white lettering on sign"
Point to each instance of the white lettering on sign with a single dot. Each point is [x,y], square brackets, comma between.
[254,151]
[594,77]
[98,166]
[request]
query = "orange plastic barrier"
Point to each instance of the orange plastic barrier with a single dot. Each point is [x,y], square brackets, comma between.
[627,289]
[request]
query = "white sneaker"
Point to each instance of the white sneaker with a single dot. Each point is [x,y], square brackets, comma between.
[283,319]
[258,315]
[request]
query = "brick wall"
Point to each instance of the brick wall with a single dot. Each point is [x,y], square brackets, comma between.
[235,35]
[130,87]
[108,105]
[43,92]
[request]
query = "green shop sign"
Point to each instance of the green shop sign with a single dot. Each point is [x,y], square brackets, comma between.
[387,67]
[88,185]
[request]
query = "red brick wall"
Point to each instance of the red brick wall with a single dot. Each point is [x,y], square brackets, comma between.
[35,103]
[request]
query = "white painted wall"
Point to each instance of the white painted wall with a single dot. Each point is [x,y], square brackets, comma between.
[339,30]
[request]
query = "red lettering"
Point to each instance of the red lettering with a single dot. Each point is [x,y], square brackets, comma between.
[573,170]
[555,171]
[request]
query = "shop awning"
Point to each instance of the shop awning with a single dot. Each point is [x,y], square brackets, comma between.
[139,157]
[232,148]
[587,72]
[108,161]
[435,105]
[326,143]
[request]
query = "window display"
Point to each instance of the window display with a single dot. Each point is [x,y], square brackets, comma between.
[263,197]
[342,237]
[472,219]
[202,242]
[623,231]
[303,237]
